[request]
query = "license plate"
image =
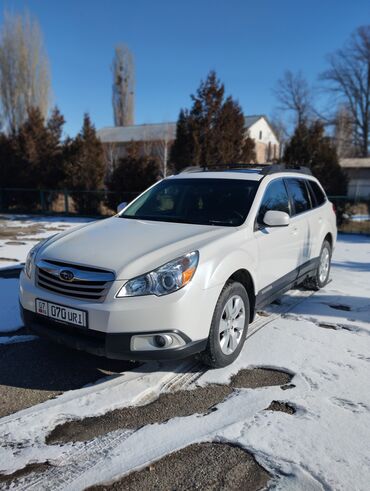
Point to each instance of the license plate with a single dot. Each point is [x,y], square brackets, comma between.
[61,313]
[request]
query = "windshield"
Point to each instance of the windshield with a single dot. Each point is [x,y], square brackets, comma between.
[200,201]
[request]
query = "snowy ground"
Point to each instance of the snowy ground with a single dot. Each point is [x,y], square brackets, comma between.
[323,340]
[18,233]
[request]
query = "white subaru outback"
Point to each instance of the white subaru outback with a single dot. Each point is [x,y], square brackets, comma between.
[184,267]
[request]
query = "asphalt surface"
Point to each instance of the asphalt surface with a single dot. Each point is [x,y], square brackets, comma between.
[167,406]
[35,371]
[206,466]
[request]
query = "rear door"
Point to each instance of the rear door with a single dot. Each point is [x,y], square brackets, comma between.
[317,217]
[301,232]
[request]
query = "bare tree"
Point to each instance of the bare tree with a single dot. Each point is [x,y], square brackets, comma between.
[24,70]
[348,78]
[280,129]
[162,148]
[123,86]
[112,154]
[294,94]
[344,133]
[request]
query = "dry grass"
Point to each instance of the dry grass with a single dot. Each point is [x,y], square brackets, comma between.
[355,227]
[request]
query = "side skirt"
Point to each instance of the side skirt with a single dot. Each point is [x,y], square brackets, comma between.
[271,292]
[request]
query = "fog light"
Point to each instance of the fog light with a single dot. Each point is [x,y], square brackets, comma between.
[153,342]
[163,340]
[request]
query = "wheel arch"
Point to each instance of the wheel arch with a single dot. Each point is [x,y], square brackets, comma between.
[329,238]
[244,277]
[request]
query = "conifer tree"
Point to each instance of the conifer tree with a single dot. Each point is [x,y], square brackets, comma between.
[181,151]
[212,132]
[311,148]
[134,173]
[85,168]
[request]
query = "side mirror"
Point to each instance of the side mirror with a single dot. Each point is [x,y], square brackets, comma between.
[121,206]
[274,218]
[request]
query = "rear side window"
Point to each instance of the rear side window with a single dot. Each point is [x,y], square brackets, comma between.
[275,198]
[299,195]
[318,194]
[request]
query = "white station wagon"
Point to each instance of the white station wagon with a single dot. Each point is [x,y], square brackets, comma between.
[184,267]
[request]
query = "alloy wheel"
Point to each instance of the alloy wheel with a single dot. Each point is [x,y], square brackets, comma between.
[232,324]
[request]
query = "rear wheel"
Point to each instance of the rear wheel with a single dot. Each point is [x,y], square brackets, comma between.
[229,326]
[323,268]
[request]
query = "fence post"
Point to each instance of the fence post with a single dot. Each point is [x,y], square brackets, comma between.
[66,209]
[42,200]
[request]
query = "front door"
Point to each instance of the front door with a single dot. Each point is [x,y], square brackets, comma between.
[277,246]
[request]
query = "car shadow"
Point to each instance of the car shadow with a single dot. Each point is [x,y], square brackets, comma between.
[353,265]
[11,271]
[350,238]
[348,308]
[45,366]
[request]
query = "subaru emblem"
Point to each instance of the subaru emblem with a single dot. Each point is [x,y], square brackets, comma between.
[66,275]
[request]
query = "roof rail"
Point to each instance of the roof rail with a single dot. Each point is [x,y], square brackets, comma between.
[220,167]
[273,169]
[192,168]
[263,169]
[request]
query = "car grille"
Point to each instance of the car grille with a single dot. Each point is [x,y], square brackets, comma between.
[73,280]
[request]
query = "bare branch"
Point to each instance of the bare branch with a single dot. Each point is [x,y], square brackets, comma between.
[348,76]
[24,70]
[294,94]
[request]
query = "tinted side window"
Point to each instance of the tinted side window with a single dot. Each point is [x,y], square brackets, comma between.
[317,192]
[275,198]
[298,192]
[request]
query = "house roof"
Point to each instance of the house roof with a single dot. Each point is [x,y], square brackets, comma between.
[152,132]
[356,163]
[138,132]
[251,120]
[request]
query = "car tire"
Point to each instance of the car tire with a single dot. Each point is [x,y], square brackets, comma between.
[229,326]
[322,273]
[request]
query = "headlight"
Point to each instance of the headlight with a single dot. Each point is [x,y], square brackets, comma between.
[30,260]
[166,279]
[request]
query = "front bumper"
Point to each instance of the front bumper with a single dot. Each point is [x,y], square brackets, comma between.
[112,323]
[109,345]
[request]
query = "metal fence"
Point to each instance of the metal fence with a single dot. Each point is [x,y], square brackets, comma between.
[62,201]
[353,214]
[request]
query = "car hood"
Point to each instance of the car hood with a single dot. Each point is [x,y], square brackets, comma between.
[129,247]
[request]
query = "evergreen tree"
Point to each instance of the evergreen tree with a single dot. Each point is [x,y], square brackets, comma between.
[30,147]
[9,170]
[212,132]
[134,173]
[54,152]
[181,150]
[311,148]
[231,132]
[85,168]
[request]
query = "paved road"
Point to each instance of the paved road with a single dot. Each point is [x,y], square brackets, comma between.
[35,371]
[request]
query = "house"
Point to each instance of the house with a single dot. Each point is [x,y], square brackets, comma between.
[156,139]
[267,145]
[358,172]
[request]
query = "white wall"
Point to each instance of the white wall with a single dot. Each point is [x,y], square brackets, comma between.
[267,135]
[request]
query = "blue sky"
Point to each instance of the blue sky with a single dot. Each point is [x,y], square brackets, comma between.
[175,43]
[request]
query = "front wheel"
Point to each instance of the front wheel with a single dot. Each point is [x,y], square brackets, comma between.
[229,326]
